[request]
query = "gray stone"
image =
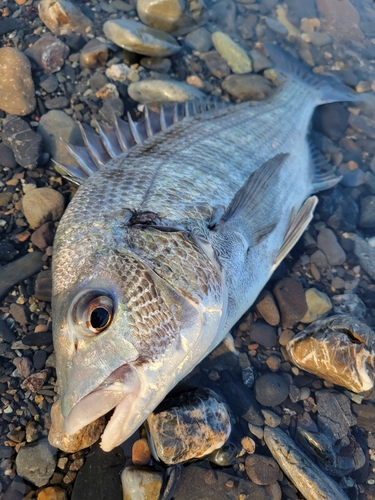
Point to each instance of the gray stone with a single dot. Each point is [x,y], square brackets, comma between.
[271,389]
[363,124]
[49,53]
[263,334]
[276,26]
[334,414]
[319,39]
[318,305]
[19,270]
[260,62]
[7,157]
[164,15]
[216,64]
[23,141]
[148,91]
[63,17]
[41,205]
[247,87]
[364,252]
[59,102]
[17,93]
[56,125]
[328,243]
[271,419]
[122,6]
[141,39]
[156,64]
[319,259]
[49,83]
[291,301]
[199,39]
[367,213]
[37,463]
[94,54]
[235,56]
[262,470]
[365,413]
[349,303]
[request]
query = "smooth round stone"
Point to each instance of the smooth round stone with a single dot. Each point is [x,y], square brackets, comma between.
[164,15]
[271,389]
[235,56]
[94,54]
[17,93]
[276,26]
[141,483]
[41,205]
[328,243]
[199,39]
[267,308]
[156,64]
[63,17]
[319,39]
[263,334]
[149,91]
[260,62]
[291,301]
[367,213]
[247,87]
[138,38]
[262,470]
[52,493]
[318,305]
[39,359]
[36,463]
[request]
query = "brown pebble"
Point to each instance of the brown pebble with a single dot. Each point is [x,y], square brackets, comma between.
[229,483]
[141,453]
[273,363]
[52,493]
[262,470]
[248,444]
[267,308]
[210,477]
[291,300]
[285,336]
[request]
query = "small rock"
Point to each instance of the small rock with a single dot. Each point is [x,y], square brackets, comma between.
[365,416]
[364,252]
[63,18]
[349,303]
[367,213]
[24,366]
[271,389]
[189,426]
[49,83]
[94,54]
[164,15]
[264,335]
[19,270]
[59,102]
[43,286]
[162,65]
[260,62]
[248,377]
[247,87]
[39,359]
[41,205]
[19,314]
[141,454]
[339,210]
[36,381]
[6,159]
[328,243]
[267,308]
[149,91]
[276,26]
[43,236]
[52,493]
[271,419]
[17,93]
[235,56]
[70,443]
[24,142]
[36,463]
[318,305]
[199,39]
[262,470]
[341,19]
[6,335]
[118,72]
[109,91]
[319,39]
[49,53]
[7,25]
[136,37]
[331,120]
[7,250]
[38,339]
[291,300]
[248,444]
[319,259]
[216,64]
[142,483]
[363,124]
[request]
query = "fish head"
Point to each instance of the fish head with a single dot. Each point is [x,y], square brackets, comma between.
[124,336]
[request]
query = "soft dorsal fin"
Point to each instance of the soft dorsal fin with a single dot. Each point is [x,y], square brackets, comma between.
[112,141]
[250,203]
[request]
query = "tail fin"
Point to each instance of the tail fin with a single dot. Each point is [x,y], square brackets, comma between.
[327,88]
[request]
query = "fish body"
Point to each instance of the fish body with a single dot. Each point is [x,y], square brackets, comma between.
[165,247]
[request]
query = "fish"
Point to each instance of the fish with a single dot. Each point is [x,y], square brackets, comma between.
[178,223]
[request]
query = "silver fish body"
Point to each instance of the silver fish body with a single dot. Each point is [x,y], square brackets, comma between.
[164,248]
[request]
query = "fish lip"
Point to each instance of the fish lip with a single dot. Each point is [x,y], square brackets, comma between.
[122,385]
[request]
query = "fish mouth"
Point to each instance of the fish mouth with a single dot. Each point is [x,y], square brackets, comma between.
[118,391]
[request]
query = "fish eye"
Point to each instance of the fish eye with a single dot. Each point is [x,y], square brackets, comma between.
[93,313]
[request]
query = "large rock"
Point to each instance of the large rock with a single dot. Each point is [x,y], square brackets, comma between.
[17,93]
[138,38]
[341,19]
[49,53]
[63,18]
[148,91]
[41,205]
[36,463]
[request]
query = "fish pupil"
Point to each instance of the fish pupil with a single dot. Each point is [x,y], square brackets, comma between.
[99,318]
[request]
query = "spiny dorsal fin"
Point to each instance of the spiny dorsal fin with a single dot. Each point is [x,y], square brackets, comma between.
[297,226]
[323,172]
[112,141]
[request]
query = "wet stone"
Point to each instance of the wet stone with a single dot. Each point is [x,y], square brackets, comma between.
[262,334]
[291,301]
[59,102]
[141,453]
[141,39]
[339,210]
[19,270]
[43,236]
[276,26]
[41,205]
[38,339]
[349,303]
[49,53]
[367,213]
[145,483]
[52,493]
[162,65]
[365,413]
[35,381]
[149,91]
[189,426]
[328,243]
[216,64]
[271,389]
[49,83]
[318,305]
[6,160]
[16,86]
[262,470]
[267,308]
[62,17]
[7,25]
[164,15]
[23,141]
[331,120]
[6,333]
[260,62]
[36,463]
[39,359]
[247,87]
[24,366]
[7,250]
[199,39]
[235,56]
[94,54]
[364,252]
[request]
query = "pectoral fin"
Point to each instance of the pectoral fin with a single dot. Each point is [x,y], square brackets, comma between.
[297,226]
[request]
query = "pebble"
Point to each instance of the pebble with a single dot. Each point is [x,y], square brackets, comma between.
[318,305]
[35,381]
[247,87]
[43,236]
[248,444]
[24,366]
[6,159]
[263,334]
[364,252]
[328,243]
[271,389]
[164,15]
[49,53]
[271,419]
[331,120]
[49,83]
[71,443]
[162,65]
[267,308]
[150,91]
[141,39]
[6,333]
[140,483]
[235,56]
[216,64]
[52,493]
[199,39]
[367,212]
[41,205]
[262,470]
[339,210]
[19,270]
[118,72]
[365,416]
[291,301]
[17,93]
[36,463]
[56,125]
[38,339]
[23,141]
[349,303]
[341,19]
[260,62]
[39,359]
[63,17]
[94,54]
[276,26]
[141,454]
[363,124]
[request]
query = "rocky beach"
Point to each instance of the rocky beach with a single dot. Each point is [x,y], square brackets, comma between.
[271,422]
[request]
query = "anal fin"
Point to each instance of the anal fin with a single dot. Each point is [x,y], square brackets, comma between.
[297,226]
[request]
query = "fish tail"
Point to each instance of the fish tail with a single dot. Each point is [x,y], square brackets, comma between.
[326,88]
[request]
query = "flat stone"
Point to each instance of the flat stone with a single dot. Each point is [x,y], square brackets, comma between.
[276,26]
[39,359]
[262,470]
[365,413]
[298,11]
[267,308]
[363,124]
[35,381]
[216,64]
[38,339]
[318,305]
[17,93]
[145,483]
[94,54]
[149,91]
[328,243]
[19,313]
[262,334]
[341,19]
[291,301]
[235,56]
[49,83]
[36,463]
[364,252]
[271,389]
[59,102]
[23,141]
[41,205]
[49,53]
[349,303]
[334,414]
[141,39]
[367,213]
[7,250]
[56,125]
[63,17]
[43,236]
[19,270]
[260,62]
[24,366]
[7,159]
[199,39]
[247,87]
